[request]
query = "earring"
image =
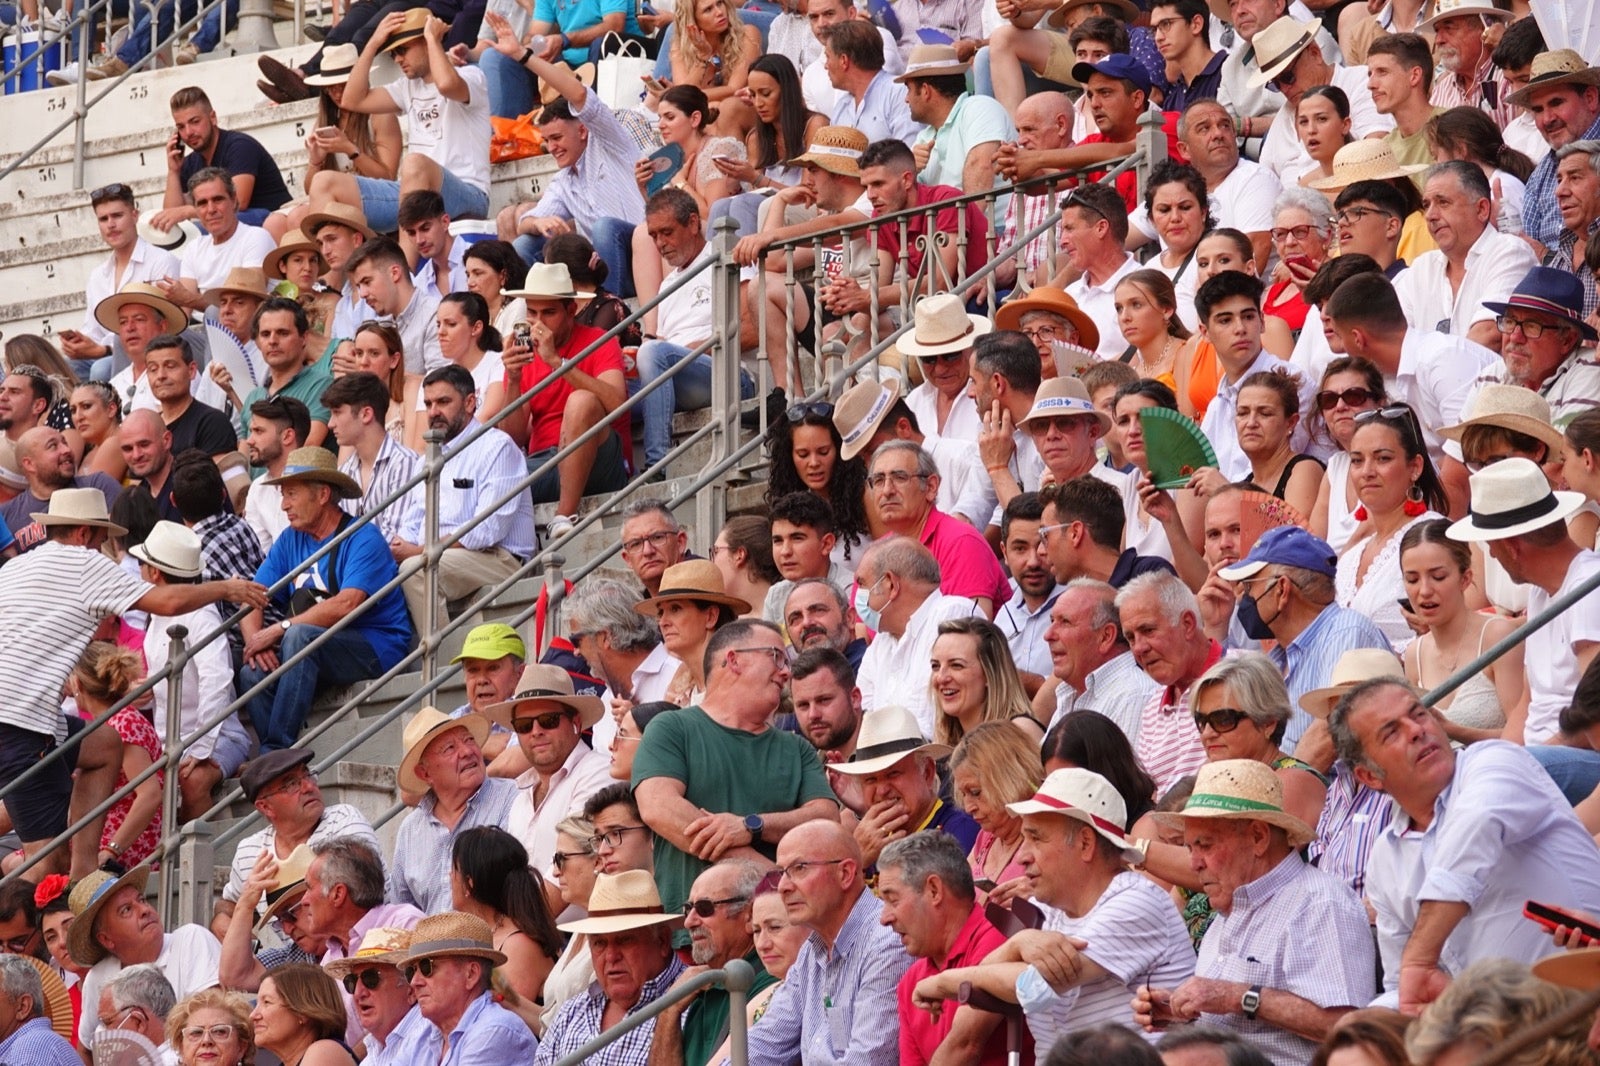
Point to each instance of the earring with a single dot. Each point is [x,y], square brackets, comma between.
[1360,513]
[1414,505]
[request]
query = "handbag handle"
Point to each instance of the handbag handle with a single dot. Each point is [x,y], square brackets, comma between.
[622,46]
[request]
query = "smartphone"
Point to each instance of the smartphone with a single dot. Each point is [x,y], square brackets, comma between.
[522,332]
[1300,261]
[1405,604]
[326,132]
[1551,917]
[986,884]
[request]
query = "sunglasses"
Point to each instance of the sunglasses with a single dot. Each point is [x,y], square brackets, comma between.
[799,412]
[115,191]
[1221,720]
[1398,414]
[546,721]
[705,908]
[1327,399]
[942,357]
[422,966]
[369,979]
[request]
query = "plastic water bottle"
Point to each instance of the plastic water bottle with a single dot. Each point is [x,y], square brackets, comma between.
[538,42]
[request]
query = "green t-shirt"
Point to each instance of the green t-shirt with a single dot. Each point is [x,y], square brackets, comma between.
[1409,151]
[705,1023]
[307,386]
[723,771]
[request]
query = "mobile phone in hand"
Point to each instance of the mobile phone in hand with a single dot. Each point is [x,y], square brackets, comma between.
[1552,918]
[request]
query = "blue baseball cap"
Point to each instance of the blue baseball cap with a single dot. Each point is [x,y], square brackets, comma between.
[1117,65]
[1284,546]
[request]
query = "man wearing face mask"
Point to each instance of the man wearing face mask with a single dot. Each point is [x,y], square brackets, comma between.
[1285,588]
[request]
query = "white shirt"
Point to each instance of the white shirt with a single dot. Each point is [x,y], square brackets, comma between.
[1117,688]
[896,669]
[1521,134]
[207,685]
[189,959]
[1551,663]
[206,263]
[965,488]
[585,772]
[1243,202]
[1024,629]
[1496,262]
[475,475]
[1218,424]
[1282,151]
[962,423]
[263,512]
[146,263]
[683,317]
[418,324]
[339,820]
[427,275]
[451,133]
[1435,377]
[1099,302]
[1502,834]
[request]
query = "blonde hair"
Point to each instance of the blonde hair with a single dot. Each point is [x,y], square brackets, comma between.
[1488,1003]
[106,672]
[214,998]
[1003,759]
[684,18]
[1004,696]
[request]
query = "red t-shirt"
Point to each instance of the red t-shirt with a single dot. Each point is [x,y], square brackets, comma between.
[1128,180]
[544,410]
[945,221]
[920,1035]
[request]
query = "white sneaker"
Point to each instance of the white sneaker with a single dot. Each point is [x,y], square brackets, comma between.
[67,75]
[559,527]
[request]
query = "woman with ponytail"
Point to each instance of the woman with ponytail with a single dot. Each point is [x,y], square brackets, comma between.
[1468,133]
[104,675]
[1147,314]
[490,878]
[468,339]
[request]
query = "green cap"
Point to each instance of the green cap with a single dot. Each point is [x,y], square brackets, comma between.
[495,640]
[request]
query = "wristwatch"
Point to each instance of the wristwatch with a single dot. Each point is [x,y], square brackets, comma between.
[755,825]
[285,624]
[1250,1002]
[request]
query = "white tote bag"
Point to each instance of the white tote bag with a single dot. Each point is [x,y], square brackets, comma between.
[622,63]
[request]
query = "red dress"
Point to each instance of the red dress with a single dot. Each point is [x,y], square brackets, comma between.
[1292,311]
[134,728]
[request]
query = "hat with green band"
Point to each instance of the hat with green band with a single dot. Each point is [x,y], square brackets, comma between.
[1242,790]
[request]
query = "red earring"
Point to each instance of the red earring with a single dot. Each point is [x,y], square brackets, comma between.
[1360,513]
[1414,506]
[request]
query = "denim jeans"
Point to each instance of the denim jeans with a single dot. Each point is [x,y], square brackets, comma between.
[511,85]
[279,711]
[137,46]
[613,242]
[688,390]
[209,35]
[380,201]
[1576,771]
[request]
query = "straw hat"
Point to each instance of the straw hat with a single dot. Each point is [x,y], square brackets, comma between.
[319,465]
[836,149]
[11,475]
[620,901]
[887,735]
[241,281]
[1240,790]
[382,946]
[1365,160]
[293,241]
[340,214]
[1560,67]
[290,886]
[78,507]
[940,324]
[1549,291]
[1278,46]
[491,641]
[424,726]
[1510,407]
[1122,10]
[1087,797]
[338,60]
[1449,9]
[1511,497]
[1578,969]
[172,549]
[547,281]
[144,295]
[85,901]
[542,683]
[410,29]
[1057,301]
[932,61]
[169,240]
[1354,667]
[1066,396]
[584,72]
[859,413]
[453,934]
[692,579]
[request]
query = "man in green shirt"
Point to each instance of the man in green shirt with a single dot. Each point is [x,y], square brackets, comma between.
[280,329]
[1400,76]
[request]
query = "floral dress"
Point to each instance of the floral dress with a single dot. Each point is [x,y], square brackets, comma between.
[134,728]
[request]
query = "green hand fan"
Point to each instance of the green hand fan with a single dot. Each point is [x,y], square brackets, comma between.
[1175,447]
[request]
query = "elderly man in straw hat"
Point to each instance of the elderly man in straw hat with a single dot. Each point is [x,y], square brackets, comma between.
[630,940]
[448,965]
[444,764]
[237,298]
[1563,96]
[1559,364]
[138,315]
[1258,973]
[335,586]
[1476,834]
[1076,853]
[281,888]
[1065,426]
[382,999]
[52,600]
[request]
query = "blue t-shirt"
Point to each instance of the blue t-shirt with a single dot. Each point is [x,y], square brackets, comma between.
[570,16]
[363,562]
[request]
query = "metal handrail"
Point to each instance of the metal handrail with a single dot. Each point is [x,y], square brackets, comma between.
[738,977]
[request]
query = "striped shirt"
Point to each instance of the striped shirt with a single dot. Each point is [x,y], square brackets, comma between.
[1352,819]
[1295,929]
[1117,688]
[1168,746]
[1573,389]
[340,820]
[1308,660]
[578,1022]
[419,873]
[1561,258]
[393,467]
[51,601]
[1541,218]
[1024,630]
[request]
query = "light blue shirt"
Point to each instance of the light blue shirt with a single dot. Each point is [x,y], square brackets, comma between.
[1309,659]
[486,1035]
[408,1043]
[973,120]
[36,1044]
[600,183]
[475,476]
[348,314]
[882,113]
[420,874]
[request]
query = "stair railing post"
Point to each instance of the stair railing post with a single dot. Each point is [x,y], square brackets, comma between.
[196,860]
[556,583]
[710,506]
[80,114]
[431,553]
[178,658]
[1151,144]
[255,26]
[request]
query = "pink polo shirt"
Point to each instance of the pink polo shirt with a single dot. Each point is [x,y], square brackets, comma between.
[920,1035]
[967,564]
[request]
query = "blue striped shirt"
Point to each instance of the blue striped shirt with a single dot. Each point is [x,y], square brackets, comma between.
[1308,660]
[1541,218]
[579,1020]
[1353,817]
[420,873]
[36,1044]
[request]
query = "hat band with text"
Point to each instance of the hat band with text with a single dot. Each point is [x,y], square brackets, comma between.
[1216,802]
[870,418]
[829,149]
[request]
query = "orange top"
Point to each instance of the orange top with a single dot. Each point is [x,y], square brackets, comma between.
[1205,373]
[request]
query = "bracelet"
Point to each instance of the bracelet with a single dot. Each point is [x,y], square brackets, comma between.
[566,42]
[113,848]
[525,57]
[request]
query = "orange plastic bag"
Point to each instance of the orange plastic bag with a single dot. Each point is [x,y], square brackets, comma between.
[514,138]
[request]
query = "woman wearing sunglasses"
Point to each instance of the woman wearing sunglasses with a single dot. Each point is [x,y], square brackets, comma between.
[1397,486]
[572,867]
[300,1017]
[805,458]
[1350,385]
[490,878]
[211,1028]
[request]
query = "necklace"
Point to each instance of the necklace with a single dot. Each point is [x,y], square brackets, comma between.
[1149,370]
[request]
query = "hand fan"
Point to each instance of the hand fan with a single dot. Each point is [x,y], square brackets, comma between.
[1175,446]
[1259,512]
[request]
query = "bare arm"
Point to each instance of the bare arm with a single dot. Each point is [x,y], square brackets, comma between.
[359,95]
[181,599]
[977,174]
[445,76]
[664,808]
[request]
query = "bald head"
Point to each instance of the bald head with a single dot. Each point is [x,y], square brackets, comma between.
[45,460]
[1044,120]
[821,839]
[146,445]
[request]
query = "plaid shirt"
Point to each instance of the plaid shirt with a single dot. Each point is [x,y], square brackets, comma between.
[578,1022]
[1561,258]
[230,548]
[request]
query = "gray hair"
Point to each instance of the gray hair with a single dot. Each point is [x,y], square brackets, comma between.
[577,827]
[18,978]
[1588,149]
[1257,687]
[930,853]
[1105,602]
[1311,202]
[1171,594]
[904,557]
[606,605]
[650,505]
[747,875]
[1346,744]
[926,467]
[1040,315]
[352,863]
[143,986]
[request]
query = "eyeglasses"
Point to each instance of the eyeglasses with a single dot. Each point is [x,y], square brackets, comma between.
[705,908]
[942,357]
[1049,528]
[115,191]
[116,1019]
[1044,333]
[1221,720]
[423,966]
[1398,413]
[779,656]
[1347,215]
[1161,27]
[1327,399]
[18,945]
[612,838]
[1299,233]
[796,870]
[1476,465]
[801,411]
[656,540]
[217,1034]
[369,978]
[901,478]
[288,785]
[546,722]
[1285,78]
[560,859]
[1531,328]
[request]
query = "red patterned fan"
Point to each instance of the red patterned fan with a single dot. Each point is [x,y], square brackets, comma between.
[1259,512]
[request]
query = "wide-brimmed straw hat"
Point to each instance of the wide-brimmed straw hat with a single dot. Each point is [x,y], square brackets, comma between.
[172,549]
[1089,798]
[1510,407]
[836,149]
[1354,667]
[1563,66]
[290,886]
[545,683]
[1278,46]
[410,29]
[1549,291]
[293,241]
[319,465]
[1449,9]
[584,72]
[419,733]
[693,579]
[888,735]
[859,413]
[1239,790]
[1058,302]
[453,934]
[85,901]
[548,281]
[1124,10]
[241,281]
[340,214]
[383,946]
[1512,497]
[145,295]
[1365,160]
[932,61]
[1065,397]
[78,507]
[338,60]
[1578,969]
[621,901]
[940,324]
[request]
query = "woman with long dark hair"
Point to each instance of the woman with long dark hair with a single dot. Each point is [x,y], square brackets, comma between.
[1090,740]
[490,878]
[1350,386]
[467,339]
[805,458]
[1180,209]
[782,130]
[589,273]
[1322,119]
